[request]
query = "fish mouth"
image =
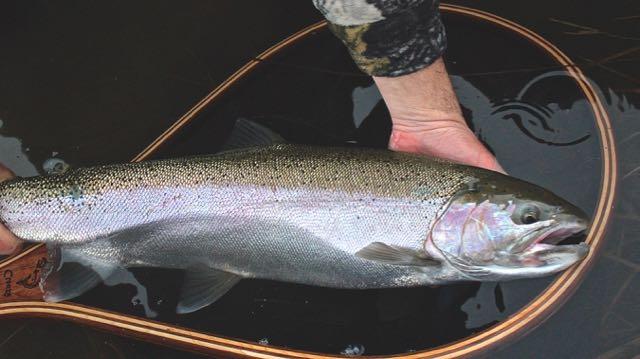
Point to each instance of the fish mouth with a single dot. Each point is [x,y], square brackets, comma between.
[554,247]
[561,231]
[549,241]
[551,233]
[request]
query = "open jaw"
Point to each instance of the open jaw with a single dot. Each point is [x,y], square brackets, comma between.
[559,232]
[542,254]
[547,241]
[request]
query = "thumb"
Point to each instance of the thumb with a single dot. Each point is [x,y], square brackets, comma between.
[9,243]
[5,173]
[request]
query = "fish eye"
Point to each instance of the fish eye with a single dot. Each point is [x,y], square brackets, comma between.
[530,214]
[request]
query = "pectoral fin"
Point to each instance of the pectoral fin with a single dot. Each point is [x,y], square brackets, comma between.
[68,275]
[390,254]
[203,286]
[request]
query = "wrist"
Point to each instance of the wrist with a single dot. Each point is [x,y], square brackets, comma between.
[423,95]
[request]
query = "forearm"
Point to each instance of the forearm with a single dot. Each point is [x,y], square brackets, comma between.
[426,93]
[387,38]
[400,43]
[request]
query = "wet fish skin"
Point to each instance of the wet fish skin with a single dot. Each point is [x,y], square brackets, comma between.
[333,217]
[368,195]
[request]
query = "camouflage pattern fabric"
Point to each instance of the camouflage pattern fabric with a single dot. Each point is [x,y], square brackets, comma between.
[387,37]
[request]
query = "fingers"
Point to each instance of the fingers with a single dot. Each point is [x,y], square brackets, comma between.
[5,173]
[452,142]
[9,243]
[427,118]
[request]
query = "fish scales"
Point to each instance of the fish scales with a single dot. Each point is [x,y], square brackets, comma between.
[277,212]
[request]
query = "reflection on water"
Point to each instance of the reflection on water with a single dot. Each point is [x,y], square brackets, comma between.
[545,123]
[353,350]
[54,165]
[534,120]
[140,298]
[618,319]
[365,100]
[14,155]
[486,306]
[627,116]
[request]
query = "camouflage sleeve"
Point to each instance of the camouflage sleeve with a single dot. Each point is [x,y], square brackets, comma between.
[387,37]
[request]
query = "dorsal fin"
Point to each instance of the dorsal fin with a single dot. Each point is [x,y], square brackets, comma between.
[246,134]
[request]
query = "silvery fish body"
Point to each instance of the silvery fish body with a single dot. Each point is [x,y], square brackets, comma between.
[286,213]
[332,217]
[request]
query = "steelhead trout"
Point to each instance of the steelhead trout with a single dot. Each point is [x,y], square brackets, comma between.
[332,217]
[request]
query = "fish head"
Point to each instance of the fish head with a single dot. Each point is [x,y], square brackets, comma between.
[503,228]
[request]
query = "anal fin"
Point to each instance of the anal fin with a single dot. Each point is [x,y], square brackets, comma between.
[203,286]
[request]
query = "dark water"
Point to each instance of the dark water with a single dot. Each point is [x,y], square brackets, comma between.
[84,84]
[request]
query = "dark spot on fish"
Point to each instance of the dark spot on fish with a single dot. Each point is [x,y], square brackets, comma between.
[75,192]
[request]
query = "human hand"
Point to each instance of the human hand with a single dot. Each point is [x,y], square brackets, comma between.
[9,243]
[427,118]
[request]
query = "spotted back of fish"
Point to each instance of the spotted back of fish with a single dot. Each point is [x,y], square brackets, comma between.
[87,203]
